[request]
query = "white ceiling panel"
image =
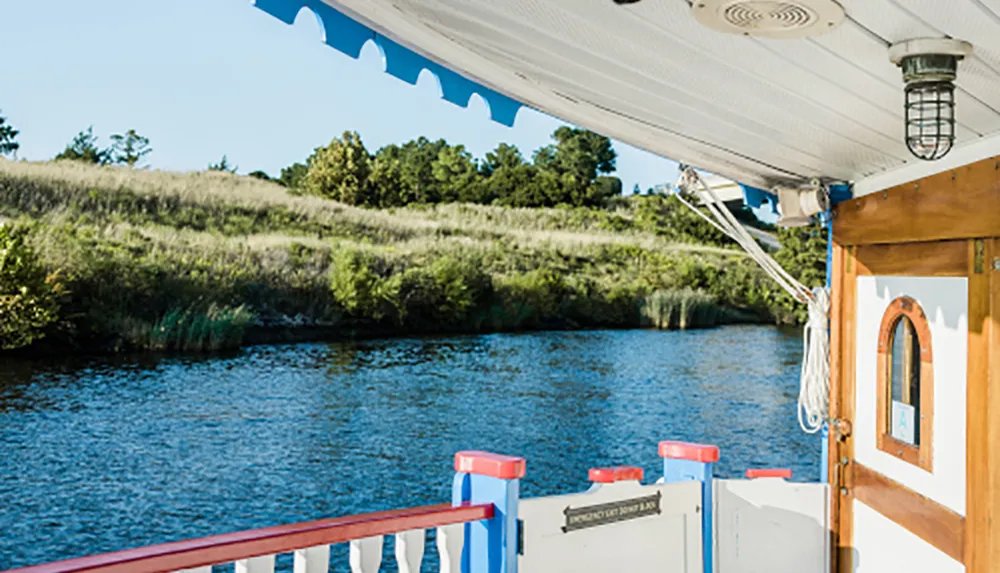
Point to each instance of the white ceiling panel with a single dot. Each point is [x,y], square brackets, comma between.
[755,110]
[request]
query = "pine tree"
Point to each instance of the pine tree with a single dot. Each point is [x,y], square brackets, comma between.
[223,165]
[84,148]
[129,148]
[8,135]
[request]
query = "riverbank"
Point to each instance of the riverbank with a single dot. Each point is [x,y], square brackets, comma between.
[164,261]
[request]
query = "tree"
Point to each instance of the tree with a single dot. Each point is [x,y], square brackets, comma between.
[8,138]
[603,188]
[458,176]
[569,172]
[84,148]
[417,181]
[129,148]
[504,156]
[509,178]
[29,297]
[635,190]
[258,174]
[386,177]
[583,153]
[293,175]
[340,171]
[803,255]
[223,165]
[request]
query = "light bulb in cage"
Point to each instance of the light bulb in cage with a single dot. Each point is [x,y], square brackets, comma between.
[930,66]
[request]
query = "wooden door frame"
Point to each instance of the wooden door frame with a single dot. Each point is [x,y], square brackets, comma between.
[921,229]
[927,519]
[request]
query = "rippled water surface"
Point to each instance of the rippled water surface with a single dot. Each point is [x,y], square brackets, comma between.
[99,455]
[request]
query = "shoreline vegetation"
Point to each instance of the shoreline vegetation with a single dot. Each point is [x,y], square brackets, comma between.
[98,258]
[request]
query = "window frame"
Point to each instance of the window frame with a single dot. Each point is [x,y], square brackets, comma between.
[920,455]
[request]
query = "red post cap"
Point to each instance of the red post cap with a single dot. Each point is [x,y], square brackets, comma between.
[783,473]
[488,464]
[685,451]
[615,474]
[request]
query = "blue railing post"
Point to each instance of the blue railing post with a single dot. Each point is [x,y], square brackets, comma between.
[693,462]
[482,477]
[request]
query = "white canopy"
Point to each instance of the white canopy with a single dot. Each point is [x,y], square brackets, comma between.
[756,110]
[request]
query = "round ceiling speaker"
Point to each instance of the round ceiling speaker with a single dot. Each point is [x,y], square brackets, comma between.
[769,18]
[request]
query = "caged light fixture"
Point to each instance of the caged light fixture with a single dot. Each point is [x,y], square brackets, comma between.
[929,66]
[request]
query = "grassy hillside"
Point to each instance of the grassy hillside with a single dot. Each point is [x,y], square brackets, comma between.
[156,260]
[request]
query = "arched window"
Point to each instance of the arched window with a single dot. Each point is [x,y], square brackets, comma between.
[905,399]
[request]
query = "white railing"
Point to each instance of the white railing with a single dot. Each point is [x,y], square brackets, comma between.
[366,554]
[687,522]
[255,551]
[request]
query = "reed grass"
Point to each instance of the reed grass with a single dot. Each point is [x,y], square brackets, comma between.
[190,330]
[682,309]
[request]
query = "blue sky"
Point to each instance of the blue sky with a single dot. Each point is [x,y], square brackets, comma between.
[203,78]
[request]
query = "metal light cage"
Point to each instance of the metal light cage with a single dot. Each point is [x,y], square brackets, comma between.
[930,66]
[930,119]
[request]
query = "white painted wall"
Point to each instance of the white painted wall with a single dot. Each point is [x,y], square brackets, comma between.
[666,543]
[946,302]
[771,526]
[881,546]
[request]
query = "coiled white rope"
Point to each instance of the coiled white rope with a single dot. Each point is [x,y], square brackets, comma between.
[814,385]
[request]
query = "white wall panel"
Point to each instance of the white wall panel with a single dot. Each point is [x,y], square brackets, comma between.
[881,546]
[945,300]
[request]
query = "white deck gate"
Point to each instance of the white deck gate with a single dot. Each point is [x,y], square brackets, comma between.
[771,526]
[614,528]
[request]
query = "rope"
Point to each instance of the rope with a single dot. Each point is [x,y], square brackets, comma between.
[814,387]
[814,384]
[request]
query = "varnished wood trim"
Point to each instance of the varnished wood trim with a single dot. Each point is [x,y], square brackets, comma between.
[836,371]
[990,537]
[922,455]
[899,449]
[958,204]
[848,333]
[927,519]
[933,259]
[982,550]
[911,309]
[181,555]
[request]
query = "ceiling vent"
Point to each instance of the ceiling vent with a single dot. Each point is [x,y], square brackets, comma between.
[769,19]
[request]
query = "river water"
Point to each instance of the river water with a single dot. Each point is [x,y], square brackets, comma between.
[104,454]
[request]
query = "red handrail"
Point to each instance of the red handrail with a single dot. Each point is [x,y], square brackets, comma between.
[267,541]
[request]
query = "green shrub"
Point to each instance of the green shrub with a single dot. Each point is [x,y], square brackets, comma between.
[29,297]
[361,287]
[443,293]
[528,300]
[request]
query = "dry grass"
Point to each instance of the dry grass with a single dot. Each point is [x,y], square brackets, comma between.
[118,194]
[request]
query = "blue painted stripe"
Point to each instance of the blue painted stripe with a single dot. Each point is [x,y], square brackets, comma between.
[675,471]
[349,36]
[841,192]
[490,545]
[755,197]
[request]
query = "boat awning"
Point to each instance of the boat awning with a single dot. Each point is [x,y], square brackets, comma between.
[757,110]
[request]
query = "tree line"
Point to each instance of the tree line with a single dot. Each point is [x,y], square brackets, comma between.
[571,171]
[574,170]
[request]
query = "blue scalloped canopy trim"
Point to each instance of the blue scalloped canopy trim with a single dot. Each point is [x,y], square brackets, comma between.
[349,36]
